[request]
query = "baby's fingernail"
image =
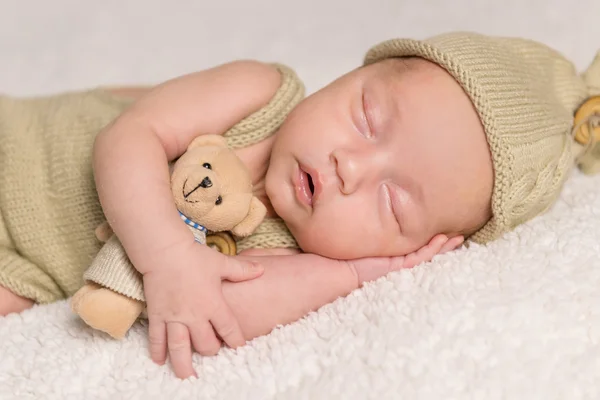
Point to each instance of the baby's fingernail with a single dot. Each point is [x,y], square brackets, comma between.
[158,361]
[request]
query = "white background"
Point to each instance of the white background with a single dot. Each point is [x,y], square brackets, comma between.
[49,46]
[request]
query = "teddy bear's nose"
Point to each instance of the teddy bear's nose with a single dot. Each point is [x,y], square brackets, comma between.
[206,182]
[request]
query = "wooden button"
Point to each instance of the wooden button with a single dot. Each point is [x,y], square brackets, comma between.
[590,107]
[223,242]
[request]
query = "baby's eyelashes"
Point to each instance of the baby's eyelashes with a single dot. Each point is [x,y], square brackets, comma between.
[393,200]
[366,126]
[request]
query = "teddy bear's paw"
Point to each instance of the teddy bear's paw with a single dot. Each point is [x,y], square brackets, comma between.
[106,310]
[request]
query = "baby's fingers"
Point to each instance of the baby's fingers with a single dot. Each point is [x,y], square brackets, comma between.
[228,328]
[180,350]
[157,336]
[425,253]
[452,244]
[237,270]
[370,269]
[204,339]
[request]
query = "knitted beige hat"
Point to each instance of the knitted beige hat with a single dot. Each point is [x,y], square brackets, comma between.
[526,95]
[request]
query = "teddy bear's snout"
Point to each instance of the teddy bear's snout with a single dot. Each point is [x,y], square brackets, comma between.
[203,186]
[206,183]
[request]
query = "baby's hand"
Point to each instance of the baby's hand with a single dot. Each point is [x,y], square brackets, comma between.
[186,305]
[370,269]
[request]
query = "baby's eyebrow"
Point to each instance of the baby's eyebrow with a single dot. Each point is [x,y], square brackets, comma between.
[386,103]
[394,104]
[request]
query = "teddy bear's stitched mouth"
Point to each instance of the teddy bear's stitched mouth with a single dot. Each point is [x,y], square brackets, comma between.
[185,196]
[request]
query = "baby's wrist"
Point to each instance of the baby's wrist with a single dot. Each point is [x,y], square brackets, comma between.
[352,275]
[155,249]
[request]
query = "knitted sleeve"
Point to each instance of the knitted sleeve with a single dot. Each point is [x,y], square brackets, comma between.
[265,122]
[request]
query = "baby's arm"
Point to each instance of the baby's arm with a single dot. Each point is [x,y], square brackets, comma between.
[131,156]
[294,285]
[290,287]
[132,178]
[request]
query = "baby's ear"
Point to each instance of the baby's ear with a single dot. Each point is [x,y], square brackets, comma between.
[208,140]
[253,219]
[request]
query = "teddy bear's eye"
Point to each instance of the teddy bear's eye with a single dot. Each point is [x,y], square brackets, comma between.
[219,200]
[207,165]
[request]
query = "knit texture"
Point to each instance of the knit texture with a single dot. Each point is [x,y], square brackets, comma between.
[268,119]
[112,269]
[49,207]
[272,233]
[525,94]
[47,199]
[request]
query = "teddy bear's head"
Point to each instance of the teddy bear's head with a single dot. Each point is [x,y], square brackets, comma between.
[212,187]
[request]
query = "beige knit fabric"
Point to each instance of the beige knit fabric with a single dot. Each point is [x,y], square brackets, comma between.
[268,119]
[49,207]
[272,233]
[526,95]
[112,269]
[48,203]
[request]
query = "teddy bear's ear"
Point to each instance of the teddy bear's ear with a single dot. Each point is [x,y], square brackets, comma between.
[208,140]
[253,219]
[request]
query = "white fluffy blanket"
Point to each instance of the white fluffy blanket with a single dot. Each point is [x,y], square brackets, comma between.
[519,318]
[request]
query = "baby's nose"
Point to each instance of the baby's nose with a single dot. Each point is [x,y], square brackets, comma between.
[356,167]
[206,182]
[350,169]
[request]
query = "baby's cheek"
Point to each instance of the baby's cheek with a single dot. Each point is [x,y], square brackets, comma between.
[330,233]
[341,244]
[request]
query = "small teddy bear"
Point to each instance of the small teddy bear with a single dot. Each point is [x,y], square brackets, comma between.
[212,190]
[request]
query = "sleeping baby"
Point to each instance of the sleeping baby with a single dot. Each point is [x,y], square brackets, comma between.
[429,143]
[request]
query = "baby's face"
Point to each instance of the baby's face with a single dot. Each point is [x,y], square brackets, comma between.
[380,161]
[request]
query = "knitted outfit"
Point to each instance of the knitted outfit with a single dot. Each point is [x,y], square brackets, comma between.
[49,206]
[526,95]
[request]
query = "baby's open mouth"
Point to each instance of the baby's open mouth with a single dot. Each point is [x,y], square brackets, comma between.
[305,187]
[311,185]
